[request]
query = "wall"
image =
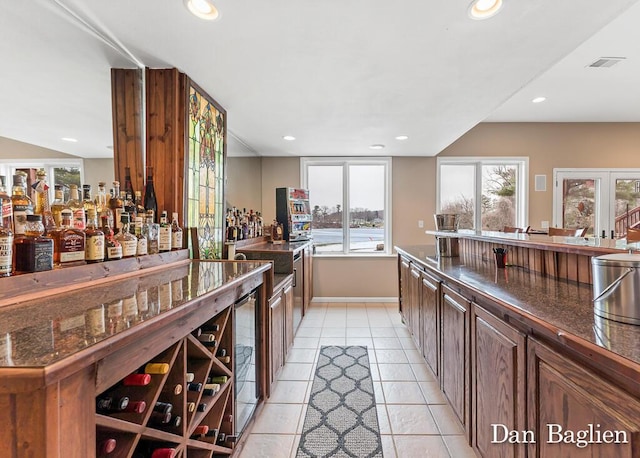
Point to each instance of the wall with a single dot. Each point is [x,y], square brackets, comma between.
[244,183]
[277,172]
[96,170]
[11,149]
[553,145]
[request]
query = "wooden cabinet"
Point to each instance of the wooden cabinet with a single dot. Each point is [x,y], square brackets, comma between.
[289,333]
[455,353]
[308,276]
[281,332]
[404,268]
[430,322]
[567,403]
[414,305]
[498,376]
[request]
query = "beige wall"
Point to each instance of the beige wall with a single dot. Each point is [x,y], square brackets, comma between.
[277,172]
[11,149]
[244,183]
[553,145]
[96,170]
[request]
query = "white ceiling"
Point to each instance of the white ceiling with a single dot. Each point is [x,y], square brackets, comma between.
[339,76]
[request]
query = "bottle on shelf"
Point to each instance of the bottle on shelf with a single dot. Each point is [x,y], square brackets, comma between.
[194,386]
[153,234]
[69,244]
[6,209]
[140,232]
[128,186]
[110,404]
[150,201]
[136,407]
[129,205]
[176,232]
[87,201]
[116,204]
[156,368]
[102,204]
[106,446]
[219,379]
[136,380]
[190,377]
[43,205]
[77,208]
[59,206]
[163,407]
[21,202]
[94,242]
[33,252]
[164,243]
[128,241]
[6,249]
[112,247]
[140,211]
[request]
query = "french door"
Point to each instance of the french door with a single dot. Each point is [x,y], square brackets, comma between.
[603,200]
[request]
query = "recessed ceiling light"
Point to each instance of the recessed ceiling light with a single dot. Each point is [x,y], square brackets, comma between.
[539,99]
[69,139]
[289,138]
[484,9]
[203,9]
[402,137]
[376,146]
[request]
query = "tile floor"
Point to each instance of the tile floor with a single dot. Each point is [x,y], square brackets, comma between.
[414,419]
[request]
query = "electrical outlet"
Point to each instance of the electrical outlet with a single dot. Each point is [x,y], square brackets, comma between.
[420,223]
[544,224]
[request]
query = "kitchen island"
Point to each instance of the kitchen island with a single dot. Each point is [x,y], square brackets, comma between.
[516,350]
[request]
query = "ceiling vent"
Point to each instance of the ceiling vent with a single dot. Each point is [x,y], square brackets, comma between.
[606,62]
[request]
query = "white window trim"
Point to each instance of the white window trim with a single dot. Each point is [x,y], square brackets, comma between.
[9,166]
[522,217]
[342,161]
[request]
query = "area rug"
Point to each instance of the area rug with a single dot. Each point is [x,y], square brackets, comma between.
[341,419]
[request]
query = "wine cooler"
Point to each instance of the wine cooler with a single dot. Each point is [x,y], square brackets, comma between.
[293,211]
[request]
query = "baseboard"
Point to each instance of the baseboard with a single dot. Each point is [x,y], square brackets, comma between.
[355,299]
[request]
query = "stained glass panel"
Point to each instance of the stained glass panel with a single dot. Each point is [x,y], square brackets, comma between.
[205,173]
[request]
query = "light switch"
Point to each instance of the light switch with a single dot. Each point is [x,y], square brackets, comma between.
[420,223]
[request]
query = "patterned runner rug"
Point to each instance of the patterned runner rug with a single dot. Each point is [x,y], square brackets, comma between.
[341,419]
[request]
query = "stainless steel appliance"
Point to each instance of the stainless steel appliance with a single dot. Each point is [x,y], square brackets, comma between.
[246,364]
[297,290]
[293,211]
[616,287]
[446,222]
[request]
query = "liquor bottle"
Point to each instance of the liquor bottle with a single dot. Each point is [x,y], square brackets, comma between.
[164,243]
[6,249]
[77,208]
[112,247]
[59,206]
[140,211]
[69,244]
[176,232]
[87,201]
[116,204]
[128,241]
[150,201]
[33,253]
[43,205]
[21,202]
[6,206]
[102,205]
[140,234]
[128,187]
[129,206]
[153,234]
[94,239]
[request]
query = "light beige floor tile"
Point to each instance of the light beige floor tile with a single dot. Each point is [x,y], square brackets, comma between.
[311,322]
[414,356]
[309,332]
[302,417]
[396,318]
[396,372]
[358,332]
[420,446]
[387,342]
[278,419]
[302,355]
[402,331]
[402,393]
[394,356]
[446,420]
[289,392]
[383,419]
[411,419]
[388,448]
[306,342]
[366,341]
[423,373]
[378,392]
[268,445]
[358,324]
[297,371]
[334,332]
[458,447]
[432,393]
[294,449]
[332,341]
[372,355]
[335,323]
[383,332]
[375,374]
[407,343]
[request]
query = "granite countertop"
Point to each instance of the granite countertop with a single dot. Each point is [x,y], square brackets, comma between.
[590,245]
[43,331]
[564,304]
[277,247]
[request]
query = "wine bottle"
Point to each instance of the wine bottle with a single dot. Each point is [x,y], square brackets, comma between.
[159,418]
[191,406]
[111,404]
[197,387]
[207,337]
[135,407]
[136,380]
[106,446]
[221,379]
[221,352]
[202,407]
[156,368]
[199,431]
[190,377]
[163,407]
[150,201]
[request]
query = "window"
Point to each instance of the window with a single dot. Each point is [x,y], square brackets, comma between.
[487,193]
[59,171]
[350,203]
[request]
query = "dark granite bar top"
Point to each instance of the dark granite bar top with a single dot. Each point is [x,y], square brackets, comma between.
[40,332]
[563,304]
[277,247]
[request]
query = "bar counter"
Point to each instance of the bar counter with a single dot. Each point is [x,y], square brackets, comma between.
[563,306]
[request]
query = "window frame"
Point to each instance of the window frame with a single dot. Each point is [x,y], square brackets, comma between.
[8,168]
[522,192]
[345,162]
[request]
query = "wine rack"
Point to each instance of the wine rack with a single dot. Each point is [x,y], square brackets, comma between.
[180,402]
